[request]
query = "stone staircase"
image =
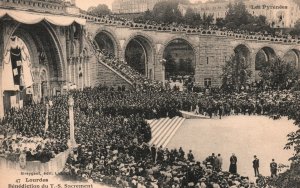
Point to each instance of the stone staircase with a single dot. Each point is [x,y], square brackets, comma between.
[164,129]
[113,69]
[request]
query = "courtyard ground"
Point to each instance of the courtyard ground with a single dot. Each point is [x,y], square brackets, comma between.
[245,136]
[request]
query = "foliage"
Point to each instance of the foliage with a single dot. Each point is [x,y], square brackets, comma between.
[277,73]
[236,73]
[100,10]
[191,18]
[296,29]
[238,17]
[288,179]
[167,12]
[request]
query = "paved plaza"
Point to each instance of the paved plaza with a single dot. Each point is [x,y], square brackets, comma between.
[243,135]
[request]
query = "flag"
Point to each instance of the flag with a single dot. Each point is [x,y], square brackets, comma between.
[27,78]
[8,74]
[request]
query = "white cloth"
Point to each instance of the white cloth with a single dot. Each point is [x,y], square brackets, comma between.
[34,18]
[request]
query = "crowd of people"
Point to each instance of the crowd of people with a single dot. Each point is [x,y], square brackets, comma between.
[122,67]
[112,134]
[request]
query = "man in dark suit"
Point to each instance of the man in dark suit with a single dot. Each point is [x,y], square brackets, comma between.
[233,166]
[256,166]
[273,168]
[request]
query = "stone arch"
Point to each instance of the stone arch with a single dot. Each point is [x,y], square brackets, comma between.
[58,49]
[287,57]
[147,38]
[51,43]
[262,56]
[191,68]
[145,48]
[185,38]
[112,36]
[243,51]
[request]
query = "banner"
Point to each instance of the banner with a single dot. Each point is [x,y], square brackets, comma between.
[17,66]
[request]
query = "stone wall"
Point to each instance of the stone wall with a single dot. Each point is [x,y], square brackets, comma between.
[106,76]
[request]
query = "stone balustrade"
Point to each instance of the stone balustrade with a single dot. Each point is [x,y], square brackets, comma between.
[52,6]
[189,31]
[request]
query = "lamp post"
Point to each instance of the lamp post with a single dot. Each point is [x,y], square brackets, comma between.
[72,142]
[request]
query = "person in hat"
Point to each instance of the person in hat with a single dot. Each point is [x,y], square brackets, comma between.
[233,164]
[273,168]
[219,163]
[190,156]
[256,165]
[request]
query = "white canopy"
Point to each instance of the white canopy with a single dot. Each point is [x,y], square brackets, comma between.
[33,17]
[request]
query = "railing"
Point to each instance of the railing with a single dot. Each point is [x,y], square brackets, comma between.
[57,7]
[55,165]
[187,30]
[122,69]
[98,57]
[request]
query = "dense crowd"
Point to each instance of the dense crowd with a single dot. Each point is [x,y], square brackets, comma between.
[122,67]
[112,134]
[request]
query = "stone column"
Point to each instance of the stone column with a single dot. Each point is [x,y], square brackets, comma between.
[72,142]
[85,72]
[82,72]
[88,73]
[69,72]
[74,70]
[2,33]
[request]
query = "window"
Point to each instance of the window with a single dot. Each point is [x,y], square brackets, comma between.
[207,82]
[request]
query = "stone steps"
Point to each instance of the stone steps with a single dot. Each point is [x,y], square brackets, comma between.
[164,129]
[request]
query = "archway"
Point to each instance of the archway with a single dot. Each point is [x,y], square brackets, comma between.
[262,58]
[180,61]
[139,54]
[38,50]
[106,43]
[243,53]
[292,57]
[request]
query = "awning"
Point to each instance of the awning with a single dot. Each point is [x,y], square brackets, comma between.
[33,18]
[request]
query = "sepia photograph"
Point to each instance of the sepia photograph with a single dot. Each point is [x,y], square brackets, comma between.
[149,93]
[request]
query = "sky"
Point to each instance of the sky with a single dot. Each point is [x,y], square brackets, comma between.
[85,4]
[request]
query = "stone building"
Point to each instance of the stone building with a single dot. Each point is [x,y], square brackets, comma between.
[279,13]
[132,6]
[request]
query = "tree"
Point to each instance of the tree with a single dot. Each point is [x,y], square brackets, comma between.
[189,16]
[278,74]
[296,29]
[167,12]
[220,22]
[238,14]
[236,73]
[207,19]
[100,10]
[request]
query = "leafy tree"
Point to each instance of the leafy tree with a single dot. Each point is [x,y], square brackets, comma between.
[236,73]
[238,14]
[191,18]
[278,73]
[100,10]
[296,29]
[220,22]
[207,19]
[167,12]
